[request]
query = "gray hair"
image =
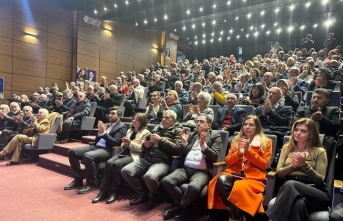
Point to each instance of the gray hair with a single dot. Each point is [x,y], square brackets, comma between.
[112,86]
[29,108]
[171,113]
[207,97]
[44,111]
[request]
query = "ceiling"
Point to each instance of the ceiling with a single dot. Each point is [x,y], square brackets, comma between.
[213,21]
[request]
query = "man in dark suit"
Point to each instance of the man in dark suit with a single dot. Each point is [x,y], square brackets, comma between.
[230,117]
[326,117]
[274,116]
[74,116]
[200,150]
[109,135]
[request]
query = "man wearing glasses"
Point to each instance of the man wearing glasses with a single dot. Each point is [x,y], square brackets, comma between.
[199,151]
[163,143]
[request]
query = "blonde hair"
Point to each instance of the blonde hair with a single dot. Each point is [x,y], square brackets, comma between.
[259,132]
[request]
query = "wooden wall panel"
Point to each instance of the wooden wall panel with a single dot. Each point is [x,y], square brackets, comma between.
[19,34]
[107,67]
[124,68]
[140,64]
[108,43]
[125,60]
[32,19]
[59,72]
[60,28]
[141,53]
[88,34]
[34,5]
[60,82]
[87,61]
[125,48]
[6,46]
[5,63]
[61,14]
[59,57]
[108,55]
[125,36]
[87,48]
[6,28]
[29,51]
[20,83]
[23,66]
[60,42]
[6,10]
[7,83]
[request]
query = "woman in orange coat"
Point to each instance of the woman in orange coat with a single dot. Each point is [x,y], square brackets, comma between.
[249,156]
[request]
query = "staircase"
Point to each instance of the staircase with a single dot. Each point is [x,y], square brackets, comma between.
[58,160]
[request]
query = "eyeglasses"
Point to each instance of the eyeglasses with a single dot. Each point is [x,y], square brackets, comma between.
[136,119]
[200,121]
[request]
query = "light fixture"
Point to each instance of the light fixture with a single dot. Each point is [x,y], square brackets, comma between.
[115,5]
[214,6]
[212,34]
[237,36]
[165,17]
[188,12]
[145,21]
[236,18]
[231,30]
[200,9]
[249,15]
[276,10]
[203,24]
[221,32]
[105,8]
[155,20]
[95,11]
[256,34]
[228,38]
[308,4]
[127,2]
[196,42]
[262,13]
[315,25]
[291,7]
[290,29]
[107,29]
[211,40]
[302,27]
[268,32]
[262,26]
[220,39]
[229,2]
[30,34]
[136,24]
[278,30]
[193,26]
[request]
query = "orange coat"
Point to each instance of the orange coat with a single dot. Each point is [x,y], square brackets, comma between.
[246,194]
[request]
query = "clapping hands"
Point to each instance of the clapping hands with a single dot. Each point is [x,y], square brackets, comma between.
[299,159]
[101,127]
[317,115]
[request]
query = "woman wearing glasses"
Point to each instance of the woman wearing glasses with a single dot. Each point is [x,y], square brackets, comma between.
[130,151]
[240,187]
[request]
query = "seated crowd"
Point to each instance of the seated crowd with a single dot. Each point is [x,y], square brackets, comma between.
[190,104]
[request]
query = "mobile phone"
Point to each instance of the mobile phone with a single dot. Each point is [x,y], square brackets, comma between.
[147,138]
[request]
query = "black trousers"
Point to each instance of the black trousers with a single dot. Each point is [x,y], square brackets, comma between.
[295,199]
[111,178]
[91,156]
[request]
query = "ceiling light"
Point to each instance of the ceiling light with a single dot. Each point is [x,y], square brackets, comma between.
[308,4]
[214,6]
[276,10]
[200,9]
[204,35]
[211,40]
[95,11]
[155,20]
[329,22]
[184,28]
[242,29]
[203,41]
[268,32]
[290,29]
[196,42]
[221,32]
[236,18]
[228,38]
[262,13]
[262,26]
[212,34]
[249,15]
[175,30]
[237,36]
[315,25]
[302,27]
[231,30]
[165,17]
[203,24]
[291,7]
[229,2]
[136,24]
[278,30]
[193,26]
[127,2]
[214,22]
[224,20]
[105,8]
[251,28]
[275,24]
[324,2]
[256,34]
[247,35]
[115,5]
[195,37]
[188,12]
[145,21]
[219,39]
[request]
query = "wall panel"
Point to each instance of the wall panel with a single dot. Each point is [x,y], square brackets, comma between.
[6,10]
[88,34]
[108,43]
[6,28]
[60,72]
[60,42]
[108,55]
[29,51]
[23,66]
[19,33]
[5,63]
[107,67]
[32,19]
[59,57]
[125,48]
[6,46]
[20,83]
[60,28]
[87,48]
[8,83]
[87,61]
[125,60]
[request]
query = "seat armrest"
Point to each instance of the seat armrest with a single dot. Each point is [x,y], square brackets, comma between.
[219,164]
[91,143]
[217,167]
[142,103]
[176,157]
[116,150]
[270,185]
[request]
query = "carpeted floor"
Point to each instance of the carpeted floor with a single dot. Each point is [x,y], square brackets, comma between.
[30,192]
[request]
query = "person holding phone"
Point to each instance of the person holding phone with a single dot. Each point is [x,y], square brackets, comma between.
[244,179]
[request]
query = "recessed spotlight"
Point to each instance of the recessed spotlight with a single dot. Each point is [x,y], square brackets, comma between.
[308,4]
[315,25]
[193,26]
[203,41]
[302,27]
[115,5]
[200,9]
[203,24]
[224,20]
[221,32]
[219,39]
[237,36]
[212,34]
[262,13]
[195,37]
[228,38]
[268,32]
[95,11]
[249,15]
[184,28]
[229,2]
[136,24]
[188,12]
[213,22]
[165,17]
[242,29]
[231,30]
[247,35]
[211,40]
[204,35]
[278,30]
[290,29]
[175,30]
[155,20]
[105,8]
[276,10]
[236,18]
[262,26]
[127,2]
[291,7]
[251,28]
[275,24]
[256,34]
[196,42]
[145,21]
[214,6]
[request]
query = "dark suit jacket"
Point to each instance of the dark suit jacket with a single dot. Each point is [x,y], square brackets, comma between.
[328,125]
[278,119]
[238,116]
[113,138]
[211,153]
[82,110]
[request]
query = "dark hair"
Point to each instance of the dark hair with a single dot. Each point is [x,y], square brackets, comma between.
[119,110]
[323,91]
[209,119]
[260,93]
[327,72]
[142,119]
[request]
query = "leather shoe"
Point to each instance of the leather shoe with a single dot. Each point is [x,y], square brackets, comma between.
[171,213]
[74,184]
[113,197]
[139,200]
[11,163]
[150,205]
[101,196]
[86,189]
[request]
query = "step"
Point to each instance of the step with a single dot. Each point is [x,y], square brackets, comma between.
[62,149]
[94,131]
[58,163]
[88,138]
